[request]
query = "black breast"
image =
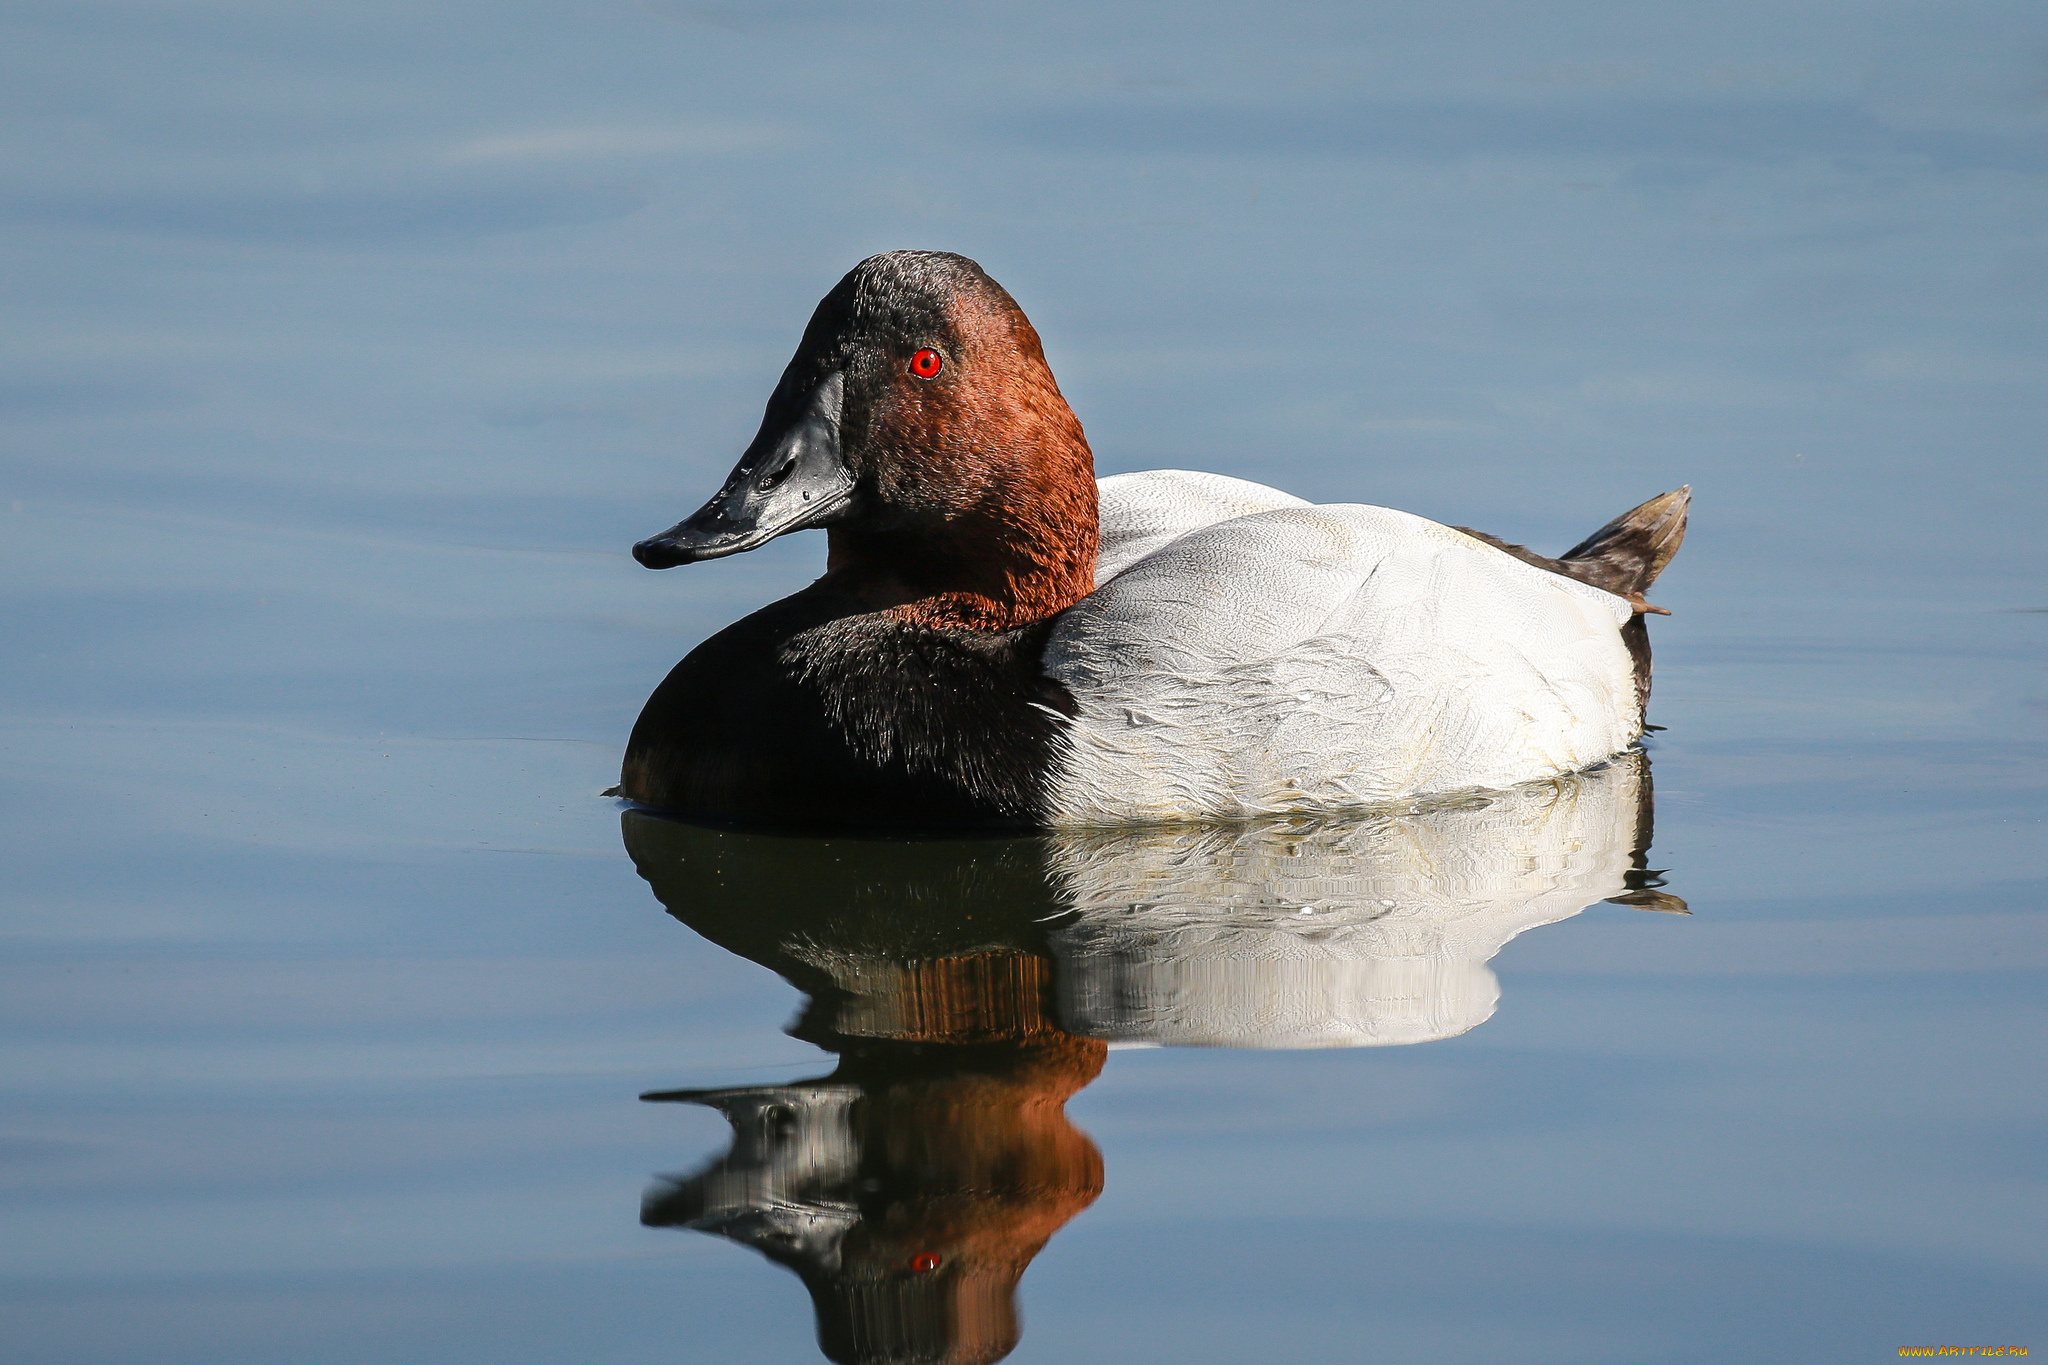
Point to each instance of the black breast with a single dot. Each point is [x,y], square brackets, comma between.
[812,712]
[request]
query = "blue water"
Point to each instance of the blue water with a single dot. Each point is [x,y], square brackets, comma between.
[350,347]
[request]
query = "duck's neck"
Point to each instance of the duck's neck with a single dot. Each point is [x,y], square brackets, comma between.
[1026,553]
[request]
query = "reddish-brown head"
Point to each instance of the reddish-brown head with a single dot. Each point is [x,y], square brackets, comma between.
[920,423]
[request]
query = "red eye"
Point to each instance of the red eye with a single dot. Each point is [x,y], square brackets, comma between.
[926,364]
[927,1263]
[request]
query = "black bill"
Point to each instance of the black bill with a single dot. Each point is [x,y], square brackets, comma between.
[790,478]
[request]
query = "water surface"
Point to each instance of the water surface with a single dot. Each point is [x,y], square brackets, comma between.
[352,346]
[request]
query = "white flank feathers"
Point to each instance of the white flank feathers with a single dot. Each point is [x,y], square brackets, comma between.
[1318,658]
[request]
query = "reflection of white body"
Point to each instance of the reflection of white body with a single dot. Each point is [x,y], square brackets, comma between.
[1365,934]
[1246,653]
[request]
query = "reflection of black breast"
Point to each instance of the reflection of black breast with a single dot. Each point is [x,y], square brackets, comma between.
[853,916]
[812,712]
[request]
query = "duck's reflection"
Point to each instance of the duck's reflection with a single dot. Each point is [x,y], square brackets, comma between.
[970,987]
[910,1188]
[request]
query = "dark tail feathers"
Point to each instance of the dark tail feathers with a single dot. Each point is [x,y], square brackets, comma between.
[1626,555]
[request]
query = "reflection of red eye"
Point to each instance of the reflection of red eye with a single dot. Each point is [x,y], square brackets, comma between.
[926,364]
[927,1263]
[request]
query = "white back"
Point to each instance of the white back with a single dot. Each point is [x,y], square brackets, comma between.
[1143,512]
[1325,657]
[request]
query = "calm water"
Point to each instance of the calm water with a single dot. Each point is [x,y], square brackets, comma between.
[348,349]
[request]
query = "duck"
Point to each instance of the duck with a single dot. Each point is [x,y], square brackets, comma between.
[1000,639]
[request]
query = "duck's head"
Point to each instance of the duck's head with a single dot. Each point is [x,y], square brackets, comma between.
[919,422]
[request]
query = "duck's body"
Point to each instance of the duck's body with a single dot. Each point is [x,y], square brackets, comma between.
[970,657]
[1317,657]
